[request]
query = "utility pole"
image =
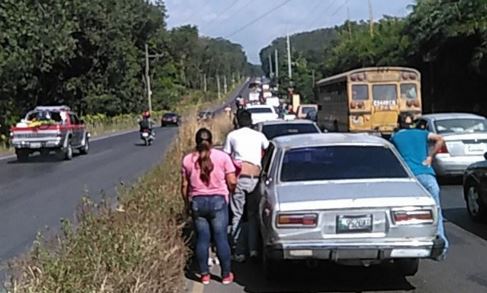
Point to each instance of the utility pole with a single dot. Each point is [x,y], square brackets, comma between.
[371,19]
[289,67]
[276,62]
[147,75]
[225,88]
[348,21]
[270,66]
[218,84]
[205,85]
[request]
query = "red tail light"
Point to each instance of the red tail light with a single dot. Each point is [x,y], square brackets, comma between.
[297,220]
[443,150]
[412,217]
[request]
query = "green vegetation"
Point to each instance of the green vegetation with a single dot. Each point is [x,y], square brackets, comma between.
[445,40]
[90,55]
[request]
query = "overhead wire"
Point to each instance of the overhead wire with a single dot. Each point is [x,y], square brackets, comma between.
[267,12]
[222,12]
[319,17]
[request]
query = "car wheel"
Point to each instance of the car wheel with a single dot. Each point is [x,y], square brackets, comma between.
[86,147]
[22,155]
[68,152]
[475,206]
[407,266]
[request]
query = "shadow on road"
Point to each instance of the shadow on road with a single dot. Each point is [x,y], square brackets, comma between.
[460,217]
[36,159]
[296,277]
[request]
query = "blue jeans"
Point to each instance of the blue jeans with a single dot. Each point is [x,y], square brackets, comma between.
[244,198]
[210,217]
[429,182]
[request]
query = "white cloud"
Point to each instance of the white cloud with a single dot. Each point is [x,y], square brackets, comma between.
[220,18]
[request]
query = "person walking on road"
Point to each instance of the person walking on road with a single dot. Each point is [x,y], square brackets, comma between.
[208,178]
[413,145]
[246,147]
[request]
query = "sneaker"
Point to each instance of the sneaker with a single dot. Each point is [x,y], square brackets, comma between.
[239,258]
[228,279]
[205,279]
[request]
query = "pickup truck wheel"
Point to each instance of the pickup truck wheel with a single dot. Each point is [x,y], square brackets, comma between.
[22,155]
[475,206]
[407,266]
[86,147]
[68,152]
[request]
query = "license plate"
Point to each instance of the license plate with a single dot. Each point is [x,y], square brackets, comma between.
[145,134]
[35,145]
[477,148]
[353,224]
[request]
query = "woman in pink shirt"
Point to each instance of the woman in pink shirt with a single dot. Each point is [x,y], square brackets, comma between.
[208,177]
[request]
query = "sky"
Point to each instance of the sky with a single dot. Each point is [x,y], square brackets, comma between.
[236,20]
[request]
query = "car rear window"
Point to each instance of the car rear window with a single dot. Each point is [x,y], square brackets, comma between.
[45,115]
[340,162]
[271,131]
[259,110]
[461,125]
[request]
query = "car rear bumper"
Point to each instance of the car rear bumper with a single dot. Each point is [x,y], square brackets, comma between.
[357,251]
[454,166]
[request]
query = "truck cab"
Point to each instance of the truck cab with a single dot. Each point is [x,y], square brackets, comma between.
[50,129]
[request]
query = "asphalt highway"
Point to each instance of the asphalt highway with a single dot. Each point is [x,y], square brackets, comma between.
[36,195]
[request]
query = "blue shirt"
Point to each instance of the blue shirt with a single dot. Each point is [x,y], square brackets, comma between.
[413,144]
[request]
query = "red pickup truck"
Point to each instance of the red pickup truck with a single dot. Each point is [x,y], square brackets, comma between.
[50,129]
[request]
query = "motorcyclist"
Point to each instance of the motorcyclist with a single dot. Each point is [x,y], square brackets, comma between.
[146,123]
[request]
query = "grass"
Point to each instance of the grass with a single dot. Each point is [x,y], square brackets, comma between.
[136,247]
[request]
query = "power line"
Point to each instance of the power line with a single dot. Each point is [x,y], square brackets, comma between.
[339,8]
[239,10]
[319,15]
[258,18]
[223,11]
[314,9]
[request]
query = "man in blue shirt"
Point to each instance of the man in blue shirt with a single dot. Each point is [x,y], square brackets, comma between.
[413,145]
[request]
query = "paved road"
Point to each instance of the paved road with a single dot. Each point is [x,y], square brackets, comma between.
[37,194]
[464,271]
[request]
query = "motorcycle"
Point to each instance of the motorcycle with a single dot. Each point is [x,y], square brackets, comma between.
[147,136]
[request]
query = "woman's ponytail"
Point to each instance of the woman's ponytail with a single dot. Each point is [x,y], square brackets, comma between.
[203,146]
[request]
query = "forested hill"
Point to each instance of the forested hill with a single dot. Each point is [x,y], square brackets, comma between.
[90,56]
[445,40]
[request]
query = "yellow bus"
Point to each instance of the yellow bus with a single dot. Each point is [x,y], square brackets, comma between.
[368,99]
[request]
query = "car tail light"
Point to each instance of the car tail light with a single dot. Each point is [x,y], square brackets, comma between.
[443,150]
[297,220]
[353,105]
[416,103]
[412,76]
[411,217]
[361,105]
[409,103]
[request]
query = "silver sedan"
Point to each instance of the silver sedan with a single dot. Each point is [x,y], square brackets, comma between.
[465,140]
[346,198]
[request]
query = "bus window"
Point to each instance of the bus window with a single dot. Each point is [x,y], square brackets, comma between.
[360,92]
[408,91]
[384,92]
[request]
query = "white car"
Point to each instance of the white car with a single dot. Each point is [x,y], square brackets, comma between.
[261,113]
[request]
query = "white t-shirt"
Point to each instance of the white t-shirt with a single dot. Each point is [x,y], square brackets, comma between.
[246,145]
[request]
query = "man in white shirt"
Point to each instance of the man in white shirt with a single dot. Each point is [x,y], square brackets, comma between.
[245,145]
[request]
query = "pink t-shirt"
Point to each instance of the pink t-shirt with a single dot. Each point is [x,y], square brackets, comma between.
[222,165]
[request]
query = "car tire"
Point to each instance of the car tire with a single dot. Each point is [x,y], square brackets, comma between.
[86,147]
[407,266]
[22,155]
[68,152]
[475,206]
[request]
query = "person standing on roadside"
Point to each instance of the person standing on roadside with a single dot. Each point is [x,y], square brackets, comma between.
[413,145]
[246,146]
[207,179]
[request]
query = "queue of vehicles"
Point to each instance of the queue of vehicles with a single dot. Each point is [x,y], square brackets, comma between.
[358,203]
